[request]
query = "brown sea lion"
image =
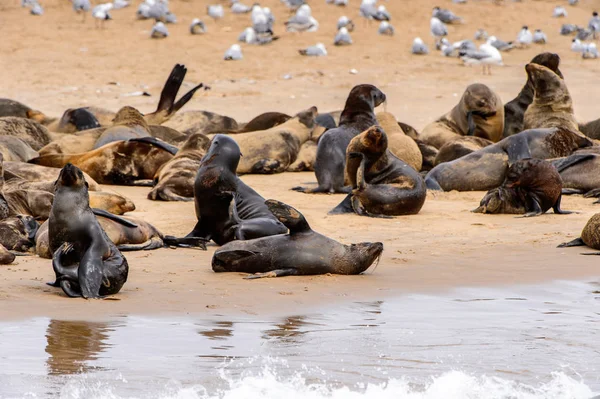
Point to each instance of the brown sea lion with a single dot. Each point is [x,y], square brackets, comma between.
[17,233]
[399,143]
[6,257]
[382,184]
[591,129]
[580,173]
[263,122]
[590,236]
[301,252]
[480,113]
[460,147]
[129,123]
[14,149]
[204,122]
[274,150]
[31,132]
[485,169]
[409,130]
[357,116]
[531,187]
[305,161]
[552,105]
[10,107]
[75,120]
[120,162]
[175,179]
[429,153]
[38,174]
[515,109]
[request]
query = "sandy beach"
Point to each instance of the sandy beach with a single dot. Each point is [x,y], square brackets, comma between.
[55,62]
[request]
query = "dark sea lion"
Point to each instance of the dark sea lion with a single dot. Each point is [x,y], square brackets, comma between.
[399,143]
[515,110]
[10,107]
[485,169]
[460,147]
[590,236]
[120,162]
[382,184]
[409,130]
[274,150]
[305,161]
[531,187]
[326,120]
[552,105]
[263,122]
[204,122]
[129,123]
[85,261]
[175,179]
[31,132]
[301,252]
[479,113]
[226,208]
[591,129]
[17,233]
[75,120]
[357,116]
[429,153]
[14,149]
[580,173]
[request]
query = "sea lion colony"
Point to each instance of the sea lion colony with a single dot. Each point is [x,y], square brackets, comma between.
[527,153]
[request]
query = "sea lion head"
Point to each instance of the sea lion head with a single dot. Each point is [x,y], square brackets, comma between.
[224,151]
[197,141]
[363,255]
[77,119]
[364,98]
[37,116]
[500,200]
[129,116]
[549,60]
[480,100]
[548,86]
[374,140]
[307,117]
[71,176]
[530,173]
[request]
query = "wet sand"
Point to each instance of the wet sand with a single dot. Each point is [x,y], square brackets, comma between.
[55,62]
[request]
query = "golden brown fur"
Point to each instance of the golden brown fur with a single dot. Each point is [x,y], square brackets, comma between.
[305,161]
[191,122]
[38,174]
[128,124]
[14,149]
[31,132]
[399,143]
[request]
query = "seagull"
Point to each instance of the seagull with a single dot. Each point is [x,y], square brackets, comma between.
[342,3]
[525,37]
[270,16]
[438,29]
[559,12]
[577,46]
[318,50]
[584,34]
[487,55]
[594,24]
[302,21]
[159,31]
[573,2]
[368,9]
[382,14]
[215,11]
[418,47]
[170,18]
[234,53]
[36,9]
[500,44]
[567,29]
[118,4]
[82,7]
[28,3]
[342,38]
[539,37]
[345,22]
[294,4]
[260,20]
[481,34]
[251,37]
[590,52]
[101,13]
[385,28]
[157,10]
[446,16]
[197,27]
[239,8]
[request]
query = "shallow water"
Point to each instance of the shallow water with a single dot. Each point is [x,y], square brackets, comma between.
[519,342]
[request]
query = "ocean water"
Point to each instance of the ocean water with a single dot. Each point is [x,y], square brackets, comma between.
[518,342]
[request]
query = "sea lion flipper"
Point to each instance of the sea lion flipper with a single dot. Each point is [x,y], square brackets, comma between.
[590,253]
[343,207]
[156,142]
[171,88]
[189,241]
[536,211]
[571,191]
[471,124]
[578,242]
[595,193]
[557,210]
[90,274]
[113,217]
[152,243]
[185,98]
[273,273]
[563,163]
[70,288]
[290,217]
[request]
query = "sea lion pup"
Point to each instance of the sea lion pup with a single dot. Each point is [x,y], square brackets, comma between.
[485,169]
[580,173]
[75,120]
[10,107]
[305,161]
[31,132]
[190,122]
[14,149]
[552,105]
[17,233]
[590,236]
[301,252]
[532,186]
[357,116]
[262,122]
[459,148]
[591,129]
[226,208]
[479,113]
[399,143]
[515,109]
[175,179]
[85,261]
[381,183]
[273,150]
[129,123]
[120,162]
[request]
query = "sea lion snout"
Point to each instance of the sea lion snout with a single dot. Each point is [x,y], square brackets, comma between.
[71,175]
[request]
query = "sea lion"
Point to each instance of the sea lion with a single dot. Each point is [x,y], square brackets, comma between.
[204,122]
[274,150]
[75,120]
[479,113]
[580,173]
[399,143]
[429,153]
[552,105]
[357,116]
[591,129]
[10,107]
[263,122]
[175,179]
[531,187]
[515,109]
[590,236]
[129,123]
[119,162]
[14,149]
[31,132]
[301,252]
[305,161]
[15,173]
[85,261]
[382,184]
[409,130]
[460,147]
[226,208]
[485,169]
[17,233]
[6,257]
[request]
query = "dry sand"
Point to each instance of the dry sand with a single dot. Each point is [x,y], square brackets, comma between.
[55,62]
